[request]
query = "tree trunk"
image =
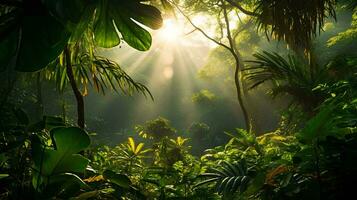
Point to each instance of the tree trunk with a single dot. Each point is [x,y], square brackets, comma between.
[77,93]
[248,125]
[249,115]
[237,80]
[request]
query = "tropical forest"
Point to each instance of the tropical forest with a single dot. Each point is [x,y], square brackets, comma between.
[178,99]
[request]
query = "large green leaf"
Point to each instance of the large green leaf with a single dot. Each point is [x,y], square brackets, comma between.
[67,142]
[133,34]
[35,33]
[147,15]
[105,34]
[83,24]
[126,16]
[46,30]
[43,39]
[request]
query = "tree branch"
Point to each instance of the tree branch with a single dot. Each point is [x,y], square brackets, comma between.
[202,31]
[237,5]
[237,80]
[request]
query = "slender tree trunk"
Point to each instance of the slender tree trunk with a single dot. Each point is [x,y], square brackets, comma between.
[237,80]
[248,125]
[244,90]
[77,93]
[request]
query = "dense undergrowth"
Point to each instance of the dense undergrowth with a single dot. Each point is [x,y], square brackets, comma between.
[50,159]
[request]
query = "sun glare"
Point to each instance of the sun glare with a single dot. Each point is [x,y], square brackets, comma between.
[178,31]
[168,72]
[171,30]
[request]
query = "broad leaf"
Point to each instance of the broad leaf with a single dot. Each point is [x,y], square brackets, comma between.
[132,33]
[46,30]
[43,39]
[105,34]
[118,179]
[126,16]
[67,142]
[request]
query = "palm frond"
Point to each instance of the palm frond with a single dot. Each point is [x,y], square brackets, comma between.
[97,72]
[228,179]
[296,22]
[287,75]
[273,67]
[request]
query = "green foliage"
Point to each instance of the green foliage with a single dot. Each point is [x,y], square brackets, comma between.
[315,162]
[204,97]
[218,57]
[169,151]
[49,160]
[169,172]
[53,162]
[121,15]
[199,131]
[295,22]
[35,24]
[132,155]
[156,129]
[229,178]
[118,179]
[66,142]
[346,36]
[47,29]
[288,76]
[97,72]
[320,126]
[125,158]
